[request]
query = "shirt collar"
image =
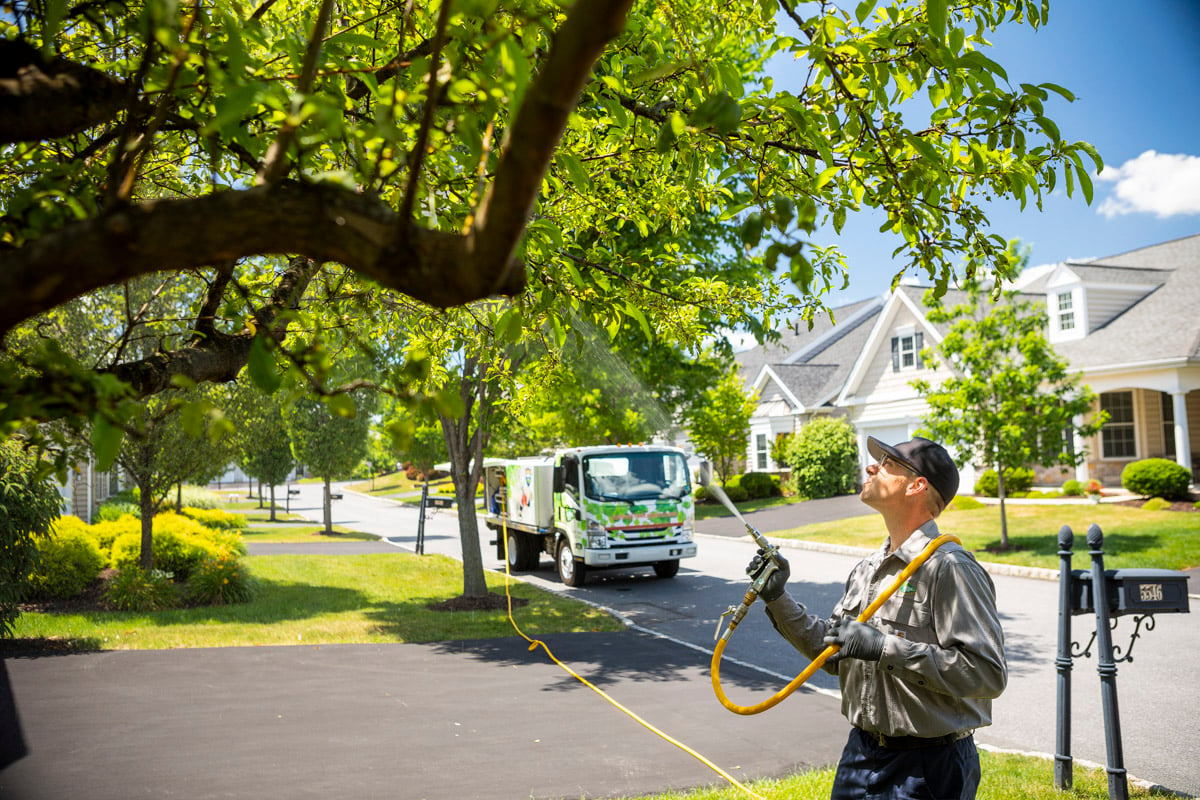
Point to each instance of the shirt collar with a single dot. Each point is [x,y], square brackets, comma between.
[915,543]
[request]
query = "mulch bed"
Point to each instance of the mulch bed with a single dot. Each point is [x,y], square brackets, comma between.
[1178,505]
[489,602]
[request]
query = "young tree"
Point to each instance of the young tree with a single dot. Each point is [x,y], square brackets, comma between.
[264,450]
[178,435]
[329,438]
[1010,401]
[720,423]
[200,143]
[29,504]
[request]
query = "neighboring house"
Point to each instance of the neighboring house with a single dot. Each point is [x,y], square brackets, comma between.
[86,488]
[1127,323]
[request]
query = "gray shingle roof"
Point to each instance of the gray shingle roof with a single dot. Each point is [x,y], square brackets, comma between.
[1164,325]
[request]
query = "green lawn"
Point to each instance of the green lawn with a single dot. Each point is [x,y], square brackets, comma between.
[1005,777]
[327,600]
[1132,537]
[292,532]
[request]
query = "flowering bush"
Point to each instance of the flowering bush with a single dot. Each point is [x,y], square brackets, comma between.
[70,560]
[218,581]
[134,589]
[1095,487]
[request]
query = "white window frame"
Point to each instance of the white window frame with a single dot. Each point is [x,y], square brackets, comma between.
[1123,426]
[1066,311]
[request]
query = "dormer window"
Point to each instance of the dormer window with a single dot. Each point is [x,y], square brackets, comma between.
[906,350]
[1066,311]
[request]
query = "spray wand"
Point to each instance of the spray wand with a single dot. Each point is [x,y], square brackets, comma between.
[769,565]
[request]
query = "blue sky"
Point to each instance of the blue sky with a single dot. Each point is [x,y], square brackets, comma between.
[1135,71]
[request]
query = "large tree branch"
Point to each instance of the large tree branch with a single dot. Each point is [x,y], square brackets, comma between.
[44,99]
[217,356]
[323,223]
[531,140]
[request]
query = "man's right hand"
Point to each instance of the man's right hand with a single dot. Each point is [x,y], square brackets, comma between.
[773,588]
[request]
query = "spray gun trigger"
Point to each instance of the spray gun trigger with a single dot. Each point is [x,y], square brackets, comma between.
[721,621]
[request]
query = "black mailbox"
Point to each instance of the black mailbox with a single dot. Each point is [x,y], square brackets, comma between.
[1132,591]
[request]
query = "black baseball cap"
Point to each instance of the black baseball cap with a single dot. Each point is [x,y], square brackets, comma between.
[924,457]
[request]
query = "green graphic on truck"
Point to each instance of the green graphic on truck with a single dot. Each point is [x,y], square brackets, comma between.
[592,508]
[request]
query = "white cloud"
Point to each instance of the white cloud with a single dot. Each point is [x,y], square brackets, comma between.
[1161,184]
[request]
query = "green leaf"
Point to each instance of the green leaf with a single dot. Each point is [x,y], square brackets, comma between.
[802,272]
[863,10]
[448,403]
[341,404]
[1085,182]
[508,328]
[936,11]
[751,229]
[635,312]
[106,442]
[232,106]
[719,111]
[826,175]
[1067,94]
[261,366]
[575,169]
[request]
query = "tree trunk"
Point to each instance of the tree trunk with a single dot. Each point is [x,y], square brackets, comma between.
[328,510]
[146,504]
[1003,518]
[179,498]
[272,502]
[260,497]
[474,583]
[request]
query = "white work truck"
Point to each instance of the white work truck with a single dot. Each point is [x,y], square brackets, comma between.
[593,508]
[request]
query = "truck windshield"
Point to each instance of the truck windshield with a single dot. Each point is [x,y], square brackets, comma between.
[632,476]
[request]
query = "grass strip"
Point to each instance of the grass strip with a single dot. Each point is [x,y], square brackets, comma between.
[1006,776]
[326,600]
[1132,537]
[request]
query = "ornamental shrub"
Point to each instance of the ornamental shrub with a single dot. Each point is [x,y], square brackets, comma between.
[180,545]
[1156,504]
[1073,488]
[134,589]
[218,581]
[1016,479]
[758,484]
[215,518]
[107,532]
[1157,477]
[736,494]
[29,504]
[70,561]
[823,457]
[110,511]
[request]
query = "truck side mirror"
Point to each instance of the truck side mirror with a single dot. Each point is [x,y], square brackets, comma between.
[559,479]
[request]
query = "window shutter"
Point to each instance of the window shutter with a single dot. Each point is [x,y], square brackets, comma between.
[918,345]
[895,354]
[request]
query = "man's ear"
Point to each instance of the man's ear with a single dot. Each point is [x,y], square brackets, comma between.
[916,486]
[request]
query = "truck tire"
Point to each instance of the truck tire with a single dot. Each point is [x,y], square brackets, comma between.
[570,571]
[666,569]
[522,552]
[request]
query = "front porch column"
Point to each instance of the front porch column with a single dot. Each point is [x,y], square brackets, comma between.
[1183,449]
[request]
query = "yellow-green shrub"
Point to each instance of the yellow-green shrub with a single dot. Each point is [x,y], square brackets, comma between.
[180,545]
[70,561]
[106,532]
[215,518]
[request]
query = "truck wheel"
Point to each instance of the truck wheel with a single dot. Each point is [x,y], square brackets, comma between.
[666,569]
[516,552]
[570,571]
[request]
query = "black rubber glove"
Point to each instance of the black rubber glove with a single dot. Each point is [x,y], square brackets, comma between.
[773,588]
[857,640]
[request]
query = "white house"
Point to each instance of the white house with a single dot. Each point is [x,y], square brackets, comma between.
[1129,324]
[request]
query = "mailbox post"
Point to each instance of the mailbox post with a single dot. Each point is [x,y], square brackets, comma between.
[1109,594]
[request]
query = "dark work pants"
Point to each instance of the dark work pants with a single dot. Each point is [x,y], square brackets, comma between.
[870,772]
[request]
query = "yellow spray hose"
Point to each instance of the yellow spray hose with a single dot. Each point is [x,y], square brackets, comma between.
[536,643]
[819,661]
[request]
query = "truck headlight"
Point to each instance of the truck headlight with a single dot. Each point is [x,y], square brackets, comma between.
[685,534]
[597,536]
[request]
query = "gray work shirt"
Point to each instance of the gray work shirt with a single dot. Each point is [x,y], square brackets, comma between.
[943,658]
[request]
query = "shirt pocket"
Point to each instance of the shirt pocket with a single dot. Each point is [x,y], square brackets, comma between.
[908,615]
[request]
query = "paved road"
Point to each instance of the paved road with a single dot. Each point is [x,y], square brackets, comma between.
[1158,692]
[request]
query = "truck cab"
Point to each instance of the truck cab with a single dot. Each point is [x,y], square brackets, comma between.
[599,507]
